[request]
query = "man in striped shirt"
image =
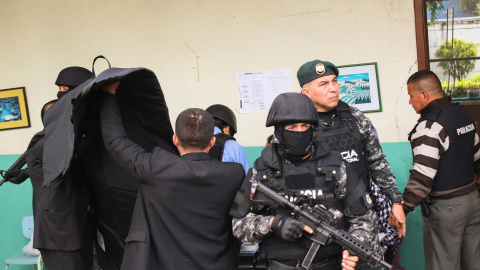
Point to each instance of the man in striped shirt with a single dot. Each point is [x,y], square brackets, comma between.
[446,155]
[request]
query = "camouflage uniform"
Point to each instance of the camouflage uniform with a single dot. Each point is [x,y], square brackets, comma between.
[379,172]
[254,228]
[378,167]
[365,228]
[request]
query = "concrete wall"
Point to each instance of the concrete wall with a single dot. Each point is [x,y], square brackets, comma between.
[39,38]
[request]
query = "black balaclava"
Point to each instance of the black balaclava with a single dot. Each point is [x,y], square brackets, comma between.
[63,93]
[294,145]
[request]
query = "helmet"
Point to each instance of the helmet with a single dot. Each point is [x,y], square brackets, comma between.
[292,108]
[223,113]
[73,76]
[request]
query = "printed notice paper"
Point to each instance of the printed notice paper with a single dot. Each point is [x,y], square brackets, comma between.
[259,89]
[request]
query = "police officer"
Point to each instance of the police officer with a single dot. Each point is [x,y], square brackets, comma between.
[71,77]
[226,148]
[348,130]
[445,157]
[293,165]
[67,79]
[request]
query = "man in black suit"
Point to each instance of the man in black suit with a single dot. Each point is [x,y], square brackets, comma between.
[181,218]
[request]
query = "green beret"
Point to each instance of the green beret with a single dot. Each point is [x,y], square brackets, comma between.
[315,69]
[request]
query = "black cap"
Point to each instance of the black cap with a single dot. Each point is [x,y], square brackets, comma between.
[315,69]
[73,76]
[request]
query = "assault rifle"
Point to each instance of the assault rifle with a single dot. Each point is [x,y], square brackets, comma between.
[18,164]
[323,222]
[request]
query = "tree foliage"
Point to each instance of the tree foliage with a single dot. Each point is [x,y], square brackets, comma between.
[470,6]
[458,49]
[434,7]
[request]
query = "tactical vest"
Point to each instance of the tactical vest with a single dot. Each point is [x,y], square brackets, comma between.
[216,152]
[316,180]
[344,136]
[455,167]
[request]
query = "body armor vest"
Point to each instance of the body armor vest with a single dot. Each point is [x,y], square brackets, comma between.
[343,135]
[455,167]
[315,179]
[216,152]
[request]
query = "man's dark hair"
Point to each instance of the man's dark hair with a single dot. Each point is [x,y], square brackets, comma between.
[428,80]
[194,128]
[46,107]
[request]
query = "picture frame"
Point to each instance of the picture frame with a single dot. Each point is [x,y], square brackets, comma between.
[359,86]
[13,109]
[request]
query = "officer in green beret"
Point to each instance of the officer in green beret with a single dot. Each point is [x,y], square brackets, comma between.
[347,130]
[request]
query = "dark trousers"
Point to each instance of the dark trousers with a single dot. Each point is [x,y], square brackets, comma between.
[80,259]
[451,234]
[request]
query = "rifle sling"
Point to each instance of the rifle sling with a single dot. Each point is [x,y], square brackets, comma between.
[242,200]
[357,192]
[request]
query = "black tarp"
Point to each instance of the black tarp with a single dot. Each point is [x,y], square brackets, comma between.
[72,127]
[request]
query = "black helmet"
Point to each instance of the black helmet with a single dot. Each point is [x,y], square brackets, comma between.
[292,108]
[223,113]
[73,76]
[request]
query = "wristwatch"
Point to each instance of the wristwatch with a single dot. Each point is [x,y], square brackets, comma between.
[397,199]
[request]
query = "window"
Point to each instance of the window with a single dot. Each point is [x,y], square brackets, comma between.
[448,38]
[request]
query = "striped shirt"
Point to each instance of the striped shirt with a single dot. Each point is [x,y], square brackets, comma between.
[429,141]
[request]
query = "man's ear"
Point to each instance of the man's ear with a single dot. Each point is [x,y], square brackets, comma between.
[306,92]
[212,142]
[425,96]
[175,140]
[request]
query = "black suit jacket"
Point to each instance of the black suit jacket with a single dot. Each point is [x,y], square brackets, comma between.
[59,213]
[181,218]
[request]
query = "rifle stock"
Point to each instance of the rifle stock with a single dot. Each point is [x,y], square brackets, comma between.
[18,164]
[323,232]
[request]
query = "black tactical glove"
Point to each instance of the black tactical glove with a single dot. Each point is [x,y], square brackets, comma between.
[16,176]
[289,229]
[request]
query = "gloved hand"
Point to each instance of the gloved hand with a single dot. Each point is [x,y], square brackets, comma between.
[289,229]
[16,176]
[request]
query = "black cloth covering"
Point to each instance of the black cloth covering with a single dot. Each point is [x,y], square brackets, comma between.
[73,137]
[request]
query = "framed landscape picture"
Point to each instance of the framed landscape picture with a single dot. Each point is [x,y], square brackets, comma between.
[359,86]
[13,108]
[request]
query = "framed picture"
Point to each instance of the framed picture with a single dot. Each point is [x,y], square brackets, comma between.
[359,86]
[13,108]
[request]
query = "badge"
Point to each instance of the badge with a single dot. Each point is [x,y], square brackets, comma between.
[253,180]
[320,68]
[252,190]
[369,200]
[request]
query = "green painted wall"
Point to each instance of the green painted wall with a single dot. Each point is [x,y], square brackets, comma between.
[399,155]
[16,201]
